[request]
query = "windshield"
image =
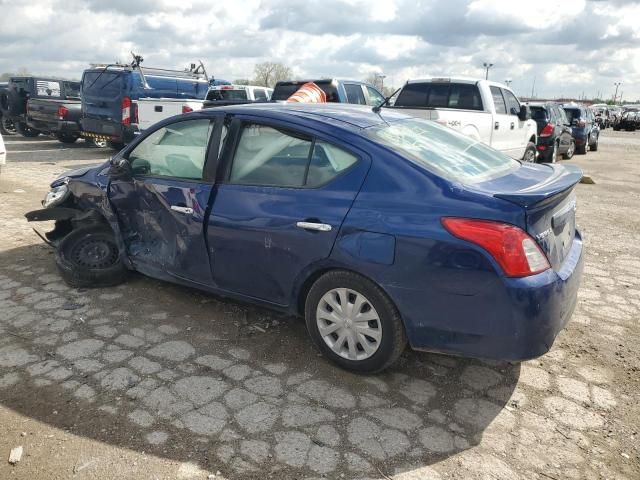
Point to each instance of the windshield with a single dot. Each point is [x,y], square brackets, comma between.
[103,83]
[442,150]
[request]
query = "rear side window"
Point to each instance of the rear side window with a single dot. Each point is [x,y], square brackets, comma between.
[462,96]
[270,157]
[259,94]
[572,114]
[498,100]
[355,94]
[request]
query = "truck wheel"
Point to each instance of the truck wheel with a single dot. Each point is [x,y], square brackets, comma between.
[89,257]
[570,151]
[529,153]
[594,146]
[96,143]
[117,146]
[65,138]
[7,127]
[26,131]
[354,323]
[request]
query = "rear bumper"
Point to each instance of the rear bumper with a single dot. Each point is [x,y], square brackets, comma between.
[517,322]
[108,131]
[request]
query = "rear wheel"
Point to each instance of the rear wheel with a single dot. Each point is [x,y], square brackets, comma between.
[354,323]
[66,138]
[89,257]
[582,149]
[570,151]
[594,146]
[27,131]
[116,145]
[530,153]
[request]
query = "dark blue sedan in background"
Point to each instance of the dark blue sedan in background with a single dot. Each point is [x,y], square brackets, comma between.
[379,228]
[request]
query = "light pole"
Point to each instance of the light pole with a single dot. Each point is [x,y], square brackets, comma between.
[381,77]
[487,66]
[508,82]
[615,95]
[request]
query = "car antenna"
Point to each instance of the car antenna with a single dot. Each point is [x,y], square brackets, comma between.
[377,108]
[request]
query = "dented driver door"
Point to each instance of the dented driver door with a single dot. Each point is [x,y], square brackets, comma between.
[162,206]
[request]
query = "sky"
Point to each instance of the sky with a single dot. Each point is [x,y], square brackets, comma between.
[566,48]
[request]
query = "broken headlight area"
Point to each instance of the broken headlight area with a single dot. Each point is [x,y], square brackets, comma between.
[56,196]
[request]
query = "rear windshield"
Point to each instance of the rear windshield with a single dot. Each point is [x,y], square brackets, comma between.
[72,89]
[463,96]
[106,84]
[284,90]
[572,113]
[442,150]
[539,113]
[239,94]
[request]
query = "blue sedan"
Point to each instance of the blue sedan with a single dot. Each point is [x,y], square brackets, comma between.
[378,228]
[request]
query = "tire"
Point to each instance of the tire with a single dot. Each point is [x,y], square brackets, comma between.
[26,131]
[594,147]
[65,138]
[387,323]
[7,128]
[616,129]
[530,153]
[89,257]
[569,153]
[554,153]
[117,146]
[582,149]
[96,143]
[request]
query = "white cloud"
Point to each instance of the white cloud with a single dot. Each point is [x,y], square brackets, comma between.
[568,46]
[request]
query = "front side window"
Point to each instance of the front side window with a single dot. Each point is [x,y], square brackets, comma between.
[271,157]
[498,101]
[355,94]
[442,150]
[177,150]
[513,105]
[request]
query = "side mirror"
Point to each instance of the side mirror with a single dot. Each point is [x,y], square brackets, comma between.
[120,167]
[525,113]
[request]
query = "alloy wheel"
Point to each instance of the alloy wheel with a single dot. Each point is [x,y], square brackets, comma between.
[349,324]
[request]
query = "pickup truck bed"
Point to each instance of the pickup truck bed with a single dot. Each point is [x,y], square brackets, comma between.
[58,117]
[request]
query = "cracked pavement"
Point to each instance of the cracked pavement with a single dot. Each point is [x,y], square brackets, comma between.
[152,380]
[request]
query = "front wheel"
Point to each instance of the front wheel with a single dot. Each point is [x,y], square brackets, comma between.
[7,126]
[27,131]
[66,138]
[570,151]
[594,146]
[529,153]
[354,323]
[90,257]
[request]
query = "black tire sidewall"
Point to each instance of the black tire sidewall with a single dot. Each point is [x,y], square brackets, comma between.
[530,147]
[67,138]
[80,276]
[393,334]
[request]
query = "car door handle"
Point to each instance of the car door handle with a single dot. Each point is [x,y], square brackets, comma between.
[320,227]
[185,210]
[496,125]
[513,125]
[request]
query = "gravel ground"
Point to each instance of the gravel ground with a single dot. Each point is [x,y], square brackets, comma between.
[150,380]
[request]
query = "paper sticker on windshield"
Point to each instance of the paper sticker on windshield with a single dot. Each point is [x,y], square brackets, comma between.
[47,89]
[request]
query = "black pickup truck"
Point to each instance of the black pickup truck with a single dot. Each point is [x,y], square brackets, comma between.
[39,105]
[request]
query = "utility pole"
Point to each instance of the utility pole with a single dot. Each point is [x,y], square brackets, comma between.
[508,82]
[487,66]
[617,84]
[381,77]
[533,86]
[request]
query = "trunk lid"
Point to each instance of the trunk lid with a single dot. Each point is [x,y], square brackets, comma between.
[545,192]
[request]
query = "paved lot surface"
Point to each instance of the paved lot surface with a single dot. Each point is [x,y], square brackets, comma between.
[150,380]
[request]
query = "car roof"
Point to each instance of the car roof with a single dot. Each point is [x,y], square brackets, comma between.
[354,117]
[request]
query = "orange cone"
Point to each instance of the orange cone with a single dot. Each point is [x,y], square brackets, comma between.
[308,93]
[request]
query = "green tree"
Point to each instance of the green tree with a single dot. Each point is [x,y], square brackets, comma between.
[267,74]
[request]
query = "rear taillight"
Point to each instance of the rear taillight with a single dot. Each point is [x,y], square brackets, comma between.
[548,129]
[186,109]
[62,112]
[126,111]
[581,124]
[511,247]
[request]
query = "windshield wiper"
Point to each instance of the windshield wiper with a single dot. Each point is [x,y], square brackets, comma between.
[100,74]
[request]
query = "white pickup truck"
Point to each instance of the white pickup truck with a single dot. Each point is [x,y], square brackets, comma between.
[486,111]
[152,110]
